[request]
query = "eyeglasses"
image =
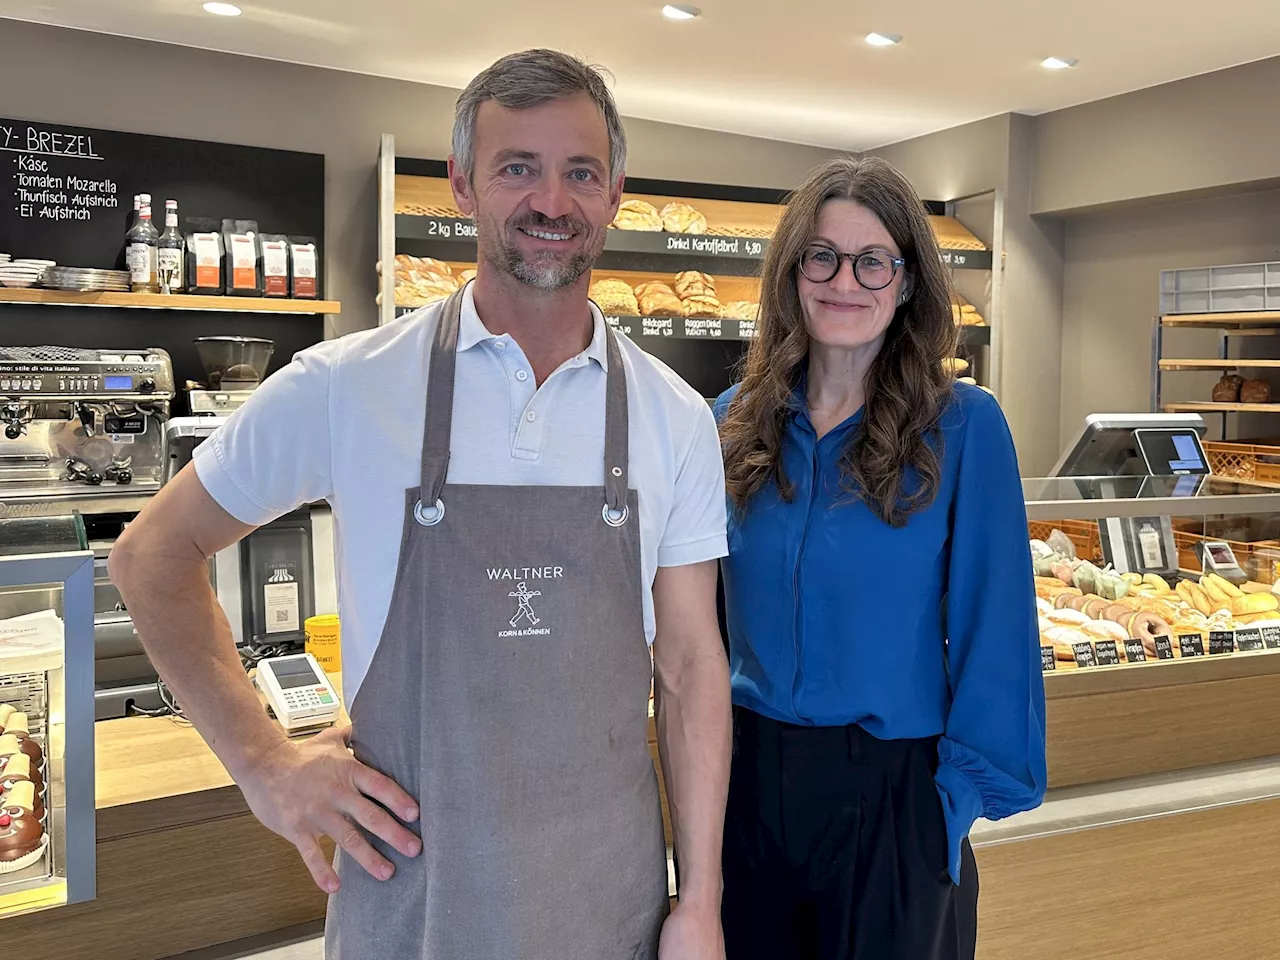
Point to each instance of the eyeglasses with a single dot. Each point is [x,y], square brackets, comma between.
[874,269]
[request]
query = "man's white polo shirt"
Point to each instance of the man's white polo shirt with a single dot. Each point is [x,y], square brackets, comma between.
[343,422]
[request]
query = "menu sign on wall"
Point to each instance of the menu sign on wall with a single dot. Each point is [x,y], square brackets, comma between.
[66,193]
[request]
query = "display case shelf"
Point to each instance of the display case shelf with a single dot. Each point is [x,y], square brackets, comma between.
[1222,321]
[1208,406]
[156,301]
[1239,364]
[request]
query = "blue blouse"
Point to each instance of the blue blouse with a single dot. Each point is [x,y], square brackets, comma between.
[928,629]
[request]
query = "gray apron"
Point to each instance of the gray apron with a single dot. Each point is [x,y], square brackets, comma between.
[509,695]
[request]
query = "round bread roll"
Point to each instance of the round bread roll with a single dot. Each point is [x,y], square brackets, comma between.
[654,286]
[955,365]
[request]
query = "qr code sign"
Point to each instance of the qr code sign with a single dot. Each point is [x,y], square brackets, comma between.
[282,616]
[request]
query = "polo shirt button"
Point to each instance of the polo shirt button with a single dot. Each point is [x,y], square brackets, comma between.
[531,416]
[500,344]
[522,375]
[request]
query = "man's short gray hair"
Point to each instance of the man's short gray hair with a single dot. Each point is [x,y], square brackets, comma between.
[528,79]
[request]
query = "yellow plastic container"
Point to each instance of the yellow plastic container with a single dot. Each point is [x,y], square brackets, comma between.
[324,641]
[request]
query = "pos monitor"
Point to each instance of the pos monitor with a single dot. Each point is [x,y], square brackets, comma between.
[1156,445]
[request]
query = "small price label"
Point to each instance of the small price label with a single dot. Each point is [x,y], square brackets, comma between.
[1135,652]
[1221,641]
[1192,644]
[1271,637]
[1250,638]
[1164,648]
[1086,656]
[1106,653]
[1047,660]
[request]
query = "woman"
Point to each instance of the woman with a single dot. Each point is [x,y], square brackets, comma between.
[878,595]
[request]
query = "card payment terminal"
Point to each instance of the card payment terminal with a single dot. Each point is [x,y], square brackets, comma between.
[298,692]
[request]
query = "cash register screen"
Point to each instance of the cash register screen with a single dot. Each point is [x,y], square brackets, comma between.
[294,673]
[1171,452]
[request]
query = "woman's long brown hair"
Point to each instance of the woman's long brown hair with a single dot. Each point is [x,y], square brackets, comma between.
[907,385]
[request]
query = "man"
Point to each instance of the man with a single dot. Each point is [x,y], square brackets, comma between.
[502,560]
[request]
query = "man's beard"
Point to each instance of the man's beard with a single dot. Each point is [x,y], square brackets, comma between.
[544,270]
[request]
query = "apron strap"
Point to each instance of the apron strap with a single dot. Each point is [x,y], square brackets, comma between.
[438,429]
[616,434]
[438,425]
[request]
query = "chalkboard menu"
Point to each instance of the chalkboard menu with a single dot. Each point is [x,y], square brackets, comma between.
[66,193]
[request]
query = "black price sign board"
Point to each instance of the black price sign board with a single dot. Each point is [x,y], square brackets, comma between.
[1047,660]
[1164,648]
[66,193]
[1086,656]
[1135,652]
[684,328]
[1192,644]
[967,259]
[1271,637]
[1249,638]
[1106,653]
[1221,641]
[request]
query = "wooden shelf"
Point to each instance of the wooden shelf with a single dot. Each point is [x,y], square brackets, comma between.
[155,301]
[1219,364]
[1207,407]
[1222,321]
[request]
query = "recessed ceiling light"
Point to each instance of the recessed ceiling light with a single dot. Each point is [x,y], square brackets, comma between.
[680,11]
[223,9]
[883,39]
[1058,63]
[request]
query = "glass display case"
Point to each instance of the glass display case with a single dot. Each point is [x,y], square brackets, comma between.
[1141,569]
[47,837]
[1158,622]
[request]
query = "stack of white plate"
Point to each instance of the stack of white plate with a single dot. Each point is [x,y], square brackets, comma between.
[86,279]
[5,258]
[23,273]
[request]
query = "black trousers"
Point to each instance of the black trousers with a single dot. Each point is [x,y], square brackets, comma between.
[835,849]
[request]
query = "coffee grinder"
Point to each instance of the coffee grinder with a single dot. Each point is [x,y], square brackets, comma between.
[266,584]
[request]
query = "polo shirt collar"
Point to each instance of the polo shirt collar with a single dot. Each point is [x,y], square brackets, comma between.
[472,331]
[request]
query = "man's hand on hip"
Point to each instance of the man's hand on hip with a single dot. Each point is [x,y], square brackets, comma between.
[315,788]
[692,932]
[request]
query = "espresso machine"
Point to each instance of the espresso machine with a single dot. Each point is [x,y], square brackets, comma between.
[267,583]
[84,430]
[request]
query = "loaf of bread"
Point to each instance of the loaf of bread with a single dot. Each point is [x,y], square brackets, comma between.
[956,366]
[681,218]
[693,283]
[615,297]
[656,303]
[741,310]
[638,215]
[1255,391]
[701,306]
[1227,390]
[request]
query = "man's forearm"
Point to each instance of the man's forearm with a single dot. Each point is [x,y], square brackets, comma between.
[188,640]
[694,741]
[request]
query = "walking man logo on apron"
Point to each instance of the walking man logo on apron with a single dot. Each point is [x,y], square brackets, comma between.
[541,827]
[524,595]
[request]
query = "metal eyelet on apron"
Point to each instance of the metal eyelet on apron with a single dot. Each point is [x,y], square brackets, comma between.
[615,518]
[428,520]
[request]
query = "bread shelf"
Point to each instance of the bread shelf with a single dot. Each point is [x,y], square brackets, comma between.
[1220,364]
[155,301]
[446,235]
[1210,407]
[1222,321]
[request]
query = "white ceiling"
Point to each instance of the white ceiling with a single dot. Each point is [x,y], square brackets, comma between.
[793,70]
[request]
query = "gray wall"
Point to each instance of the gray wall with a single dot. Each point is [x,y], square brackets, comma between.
[985,158]
[77,78]
[1213,132]
[1113,263]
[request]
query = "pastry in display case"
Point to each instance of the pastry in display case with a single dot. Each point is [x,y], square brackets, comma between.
[46,714]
